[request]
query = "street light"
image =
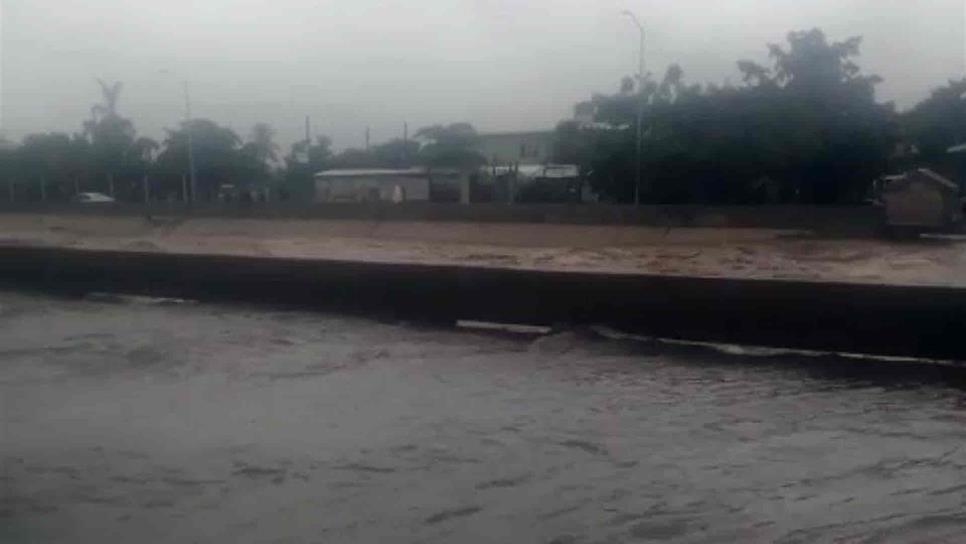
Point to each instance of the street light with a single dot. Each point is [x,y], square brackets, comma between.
[191,145]
[640,108]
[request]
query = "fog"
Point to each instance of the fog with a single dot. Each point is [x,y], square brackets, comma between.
[499,64]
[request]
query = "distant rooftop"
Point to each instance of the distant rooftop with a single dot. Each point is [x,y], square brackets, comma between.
[416,171]
[516,133]
[370,172]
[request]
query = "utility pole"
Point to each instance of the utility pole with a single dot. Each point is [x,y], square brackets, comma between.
[640,110]
[191,145]
[308,141]
[405,143]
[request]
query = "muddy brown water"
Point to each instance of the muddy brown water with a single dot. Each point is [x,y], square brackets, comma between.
[134,421]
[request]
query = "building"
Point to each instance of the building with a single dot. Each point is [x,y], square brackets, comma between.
[531,183]
[389,185]
[506,148]
[920,198]
[551,183]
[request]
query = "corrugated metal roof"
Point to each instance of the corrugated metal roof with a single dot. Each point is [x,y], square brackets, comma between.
[547,132]
[370,172]
[550,171]
[387,172]
[938,179]
[561,171]
[898,183]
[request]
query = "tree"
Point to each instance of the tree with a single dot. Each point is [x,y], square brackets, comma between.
[9,168]
[111,94]
[806,129]
[44,163]
[354,158]
[117,155]
[396,153]
[573,145]
[258,157]
[452,146]
[263,144]
[217,152]
[304,160]
[939,121]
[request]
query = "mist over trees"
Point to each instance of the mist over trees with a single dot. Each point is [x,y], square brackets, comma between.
[803,128]
[108,156]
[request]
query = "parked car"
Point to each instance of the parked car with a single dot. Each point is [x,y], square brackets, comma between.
[93,198]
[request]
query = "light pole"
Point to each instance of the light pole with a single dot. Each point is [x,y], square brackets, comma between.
[191,144]
[640,109]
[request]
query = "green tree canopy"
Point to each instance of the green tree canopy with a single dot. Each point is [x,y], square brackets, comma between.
[451,146]
[217,156]
[806,129]
[939,121]
[303,161]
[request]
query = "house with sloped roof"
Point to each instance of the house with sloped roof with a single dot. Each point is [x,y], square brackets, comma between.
[920,198]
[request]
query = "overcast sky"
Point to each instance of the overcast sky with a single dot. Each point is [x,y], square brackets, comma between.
[499,64]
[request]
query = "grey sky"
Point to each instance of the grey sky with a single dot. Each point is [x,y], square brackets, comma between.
[499,64]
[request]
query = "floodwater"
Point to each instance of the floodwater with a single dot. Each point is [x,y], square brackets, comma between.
[140,422]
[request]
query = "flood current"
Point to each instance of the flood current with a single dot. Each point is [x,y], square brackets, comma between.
[136,420]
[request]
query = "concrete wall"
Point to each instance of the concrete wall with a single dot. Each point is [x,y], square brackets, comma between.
[844,220]
[921,204]
[359,189]
[883,319]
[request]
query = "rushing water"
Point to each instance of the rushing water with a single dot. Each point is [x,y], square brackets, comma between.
[136,422]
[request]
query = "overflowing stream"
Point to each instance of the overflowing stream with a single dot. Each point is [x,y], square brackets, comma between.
[137,420]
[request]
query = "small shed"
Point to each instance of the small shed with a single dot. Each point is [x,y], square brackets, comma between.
[551,183]
[920,198]
[372,184]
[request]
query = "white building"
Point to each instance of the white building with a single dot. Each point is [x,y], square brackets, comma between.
[388,185]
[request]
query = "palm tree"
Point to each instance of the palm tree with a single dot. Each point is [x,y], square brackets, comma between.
[111,95]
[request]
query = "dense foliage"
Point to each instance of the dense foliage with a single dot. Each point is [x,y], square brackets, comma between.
[804,129]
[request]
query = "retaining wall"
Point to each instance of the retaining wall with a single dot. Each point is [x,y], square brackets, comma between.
[845,220]
[882,319]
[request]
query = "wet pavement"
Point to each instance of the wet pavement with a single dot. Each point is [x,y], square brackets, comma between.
[133,421]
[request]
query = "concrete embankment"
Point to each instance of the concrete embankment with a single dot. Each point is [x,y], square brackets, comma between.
[925,321]
[837,220]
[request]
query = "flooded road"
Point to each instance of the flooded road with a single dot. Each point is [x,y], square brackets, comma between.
[141,422]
